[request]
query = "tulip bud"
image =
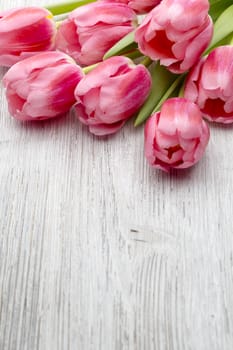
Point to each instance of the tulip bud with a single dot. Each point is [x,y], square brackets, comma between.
[176,32]
[24,32]
[175,137]
[110,94]
[42,86]
[91,30]
[210,85]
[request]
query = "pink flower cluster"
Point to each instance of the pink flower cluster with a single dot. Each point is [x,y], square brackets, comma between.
[45,78]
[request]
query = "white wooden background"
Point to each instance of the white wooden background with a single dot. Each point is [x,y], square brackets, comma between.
[98,251]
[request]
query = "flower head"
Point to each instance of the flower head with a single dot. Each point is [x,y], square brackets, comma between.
[210,85]
[176,32]
[42,86]
[110,94]
[24,32]
[175,137]
[91,30]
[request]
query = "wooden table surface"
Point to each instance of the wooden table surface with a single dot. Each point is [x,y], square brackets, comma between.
[98,251]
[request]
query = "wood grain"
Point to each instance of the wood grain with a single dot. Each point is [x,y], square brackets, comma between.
[98,251]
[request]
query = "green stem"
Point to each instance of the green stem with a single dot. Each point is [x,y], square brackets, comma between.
[146,61]
[133,54]
[67,6]
[162,80]
[168,92]
[181,91]
[89,68]
[60,18]
[123,46]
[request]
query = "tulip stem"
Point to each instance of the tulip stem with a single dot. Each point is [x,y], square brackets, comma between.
[67,6]
[169,92]
[60,18]
[181,91]
[123,46]
[162,80]
[133,54]
[146,61]
[89,68]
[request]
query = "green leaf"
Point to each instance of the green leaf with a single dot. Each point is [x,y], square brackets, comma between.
[162,80]
[217,7]
[58,9]
[223,28]
[88,69]
[125,45]
[170,92]
[222,2]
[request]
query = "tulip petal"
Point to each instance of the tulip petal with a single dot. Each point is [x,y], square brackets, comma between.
[111,93]
[98,26]
[42,86]
[176,43]
[175,137]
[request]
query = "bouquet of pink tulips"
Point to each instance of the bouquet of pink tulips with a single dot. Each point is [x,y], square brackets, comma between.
[171,68]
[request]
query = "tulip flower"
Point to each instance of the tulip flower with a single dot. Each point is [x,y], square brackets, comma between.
[176,32]
[42,86]
[110,94]
[210,85]
[139,6]
[24,32]
[175,137]
[91,30]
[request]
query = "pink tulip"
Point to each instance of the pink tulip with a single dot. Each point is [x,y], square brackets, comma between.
[91,30]
[210,85]
[25,32]
[139,6]
[175,137]
[42,86]
[110,94]
[176,32]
